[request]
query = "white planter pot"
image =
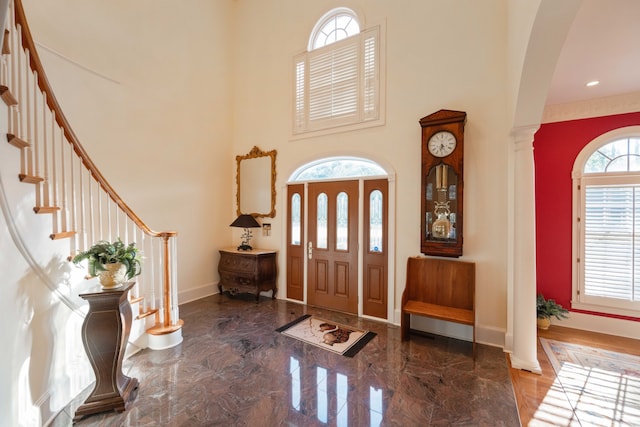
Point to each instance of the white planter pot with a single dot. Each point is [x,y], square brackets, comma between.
[113,276]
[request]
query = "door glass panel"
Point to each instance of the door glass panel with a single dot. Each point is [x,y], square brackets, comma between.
[375,221]
[321,221]
[295,219]
[342,220]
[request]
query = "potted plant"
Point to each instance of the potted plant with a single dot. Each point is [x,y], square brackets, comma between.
[113,262]
[548,308]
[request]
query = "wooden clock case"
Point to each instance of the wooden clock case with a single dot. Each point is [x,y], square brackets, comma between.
[442,187]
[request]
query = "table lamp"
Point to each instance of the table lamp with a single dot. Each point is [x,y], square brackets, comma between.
[247,222]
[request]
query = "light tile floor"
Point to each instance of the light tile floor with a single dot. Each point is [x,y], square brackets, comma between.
[233,369]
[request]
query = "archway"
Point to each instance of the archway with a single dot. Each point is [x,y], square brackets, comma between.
[544,44]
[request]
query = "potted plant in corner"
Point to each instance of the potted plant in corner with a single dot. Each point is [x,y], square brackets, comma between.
[113,262]
[548,308]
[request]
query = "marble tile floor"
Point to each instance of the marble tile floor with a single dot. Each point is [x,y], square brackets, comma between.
[233,369]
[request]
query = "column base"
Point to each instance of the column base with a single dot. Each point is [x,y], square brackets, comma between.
[533,366]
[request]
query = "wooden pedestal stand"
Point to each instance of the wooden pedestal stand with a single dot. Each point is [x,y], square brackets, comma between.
[105,333]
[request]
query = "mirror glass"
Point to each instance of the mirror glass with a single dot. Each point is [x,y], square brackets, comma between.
[256,186]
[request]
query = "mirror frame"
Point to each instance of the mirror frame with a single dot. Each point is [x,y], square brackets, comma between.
[254,154]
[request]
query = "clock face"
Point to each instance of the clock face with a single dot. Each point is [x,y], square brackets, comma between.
[442,143]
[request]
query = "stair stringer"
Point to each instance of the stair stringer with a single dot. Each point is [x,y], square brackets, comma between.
[45,366]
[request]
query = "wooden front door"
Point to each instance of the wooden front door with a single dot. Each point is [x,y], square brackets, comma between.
[332,247]
[376,248]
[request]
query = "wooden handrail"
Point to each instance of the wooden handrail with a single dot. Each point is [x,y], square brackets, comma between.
[43,83]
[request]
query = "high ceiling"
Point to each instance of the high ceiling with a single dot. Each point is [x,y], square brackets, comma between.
[603,44]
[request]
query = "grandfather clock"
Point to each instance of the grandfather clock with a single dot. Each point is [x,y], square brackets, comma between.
[442,183]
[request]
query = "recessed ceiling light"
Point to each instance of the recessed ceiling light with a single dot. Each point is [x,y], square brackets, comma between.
[593,83]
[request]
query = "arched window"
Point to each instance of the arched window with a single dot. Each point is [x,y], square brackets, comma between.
[337,168]
[337,81]
[335,25]
[607,225]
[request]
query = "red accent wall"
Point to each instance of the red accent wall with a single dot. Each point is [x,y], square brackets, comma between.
[556,146]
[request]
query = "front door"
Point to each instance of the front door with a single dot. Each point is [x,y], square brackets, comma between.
[332,247]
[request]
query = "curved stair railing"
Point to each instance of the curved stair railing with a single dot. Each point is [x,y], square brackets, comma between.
[69,187]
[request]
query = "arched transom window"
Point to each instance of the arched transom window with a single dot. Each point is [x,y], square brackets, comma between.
[622,155]
[337,168]
[336,25]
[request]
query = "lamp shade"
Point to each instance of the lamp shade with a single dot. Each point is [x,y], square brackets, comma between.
[245,221]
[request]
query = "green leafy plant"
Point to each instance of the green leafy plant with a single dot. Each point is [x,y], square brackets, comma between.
[548,308]
[105,252]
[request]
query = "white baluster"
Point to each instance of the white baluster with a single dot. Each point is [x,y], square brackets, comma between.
[73,226]
[63,183]
[45,148]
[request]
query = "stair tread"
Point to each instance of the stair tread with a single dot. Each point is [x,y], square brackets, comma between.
[16,141]
[30,179]
[165,329]
[7,96]
[45,209]
[6,49]
[62,235]
[147,313]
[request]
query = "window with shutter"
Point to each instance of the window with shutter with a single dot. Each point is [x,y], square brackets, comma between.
[337,81]
[608,230]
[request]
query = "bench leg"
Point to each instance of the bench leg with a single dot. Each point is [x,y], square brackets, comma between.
[474,343]
[405,322]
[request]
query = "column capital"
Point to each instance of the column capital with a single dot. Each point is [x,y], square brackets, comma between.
[522,136]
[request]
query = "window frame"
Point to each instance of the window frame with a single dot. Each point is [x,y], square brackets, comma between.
[302,126]
[580,181]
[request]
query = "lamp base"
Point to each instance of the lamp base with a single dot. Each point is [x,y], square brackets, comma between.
[244,248]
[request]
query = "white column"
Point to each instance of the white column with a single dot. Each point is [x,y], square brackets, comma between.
[521,337]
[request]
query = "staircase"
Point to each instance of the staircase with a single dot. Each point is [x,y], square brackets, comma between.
[83,206]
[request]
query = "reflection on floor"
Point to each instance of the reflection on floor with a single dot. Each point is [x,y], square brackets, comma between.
[234,369]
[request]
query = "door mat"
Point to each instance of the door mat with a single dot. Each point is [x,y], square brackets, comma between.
[332,336]
[603,387]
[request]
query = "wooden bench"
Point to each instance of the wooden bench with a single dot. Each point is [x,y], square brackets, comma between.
[441,289]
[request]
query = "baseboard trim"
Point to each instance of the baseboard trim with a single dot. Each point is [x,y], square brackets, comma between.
[193,294]
[601,324]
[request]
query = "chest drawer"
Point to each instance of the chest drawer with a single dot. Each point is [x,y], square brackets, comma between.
[237,264]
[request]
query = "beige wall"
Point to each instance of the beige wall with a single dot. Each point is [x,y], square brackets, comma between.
[149,80]
[180,101]
[439,55]
[179,89]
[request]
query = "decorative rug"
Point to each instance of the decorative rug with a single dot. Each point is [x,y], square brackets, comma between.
[332,336]
[603,387]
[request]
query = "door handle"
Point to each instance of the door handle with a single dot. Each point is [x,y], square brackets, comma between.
[310,250]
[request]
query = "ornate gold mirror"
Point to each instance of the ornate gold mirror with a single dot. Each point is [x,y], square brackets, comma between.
[256,183]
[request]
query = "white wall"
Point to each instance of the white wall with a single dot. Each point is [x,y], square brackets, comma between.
[179,90]
[439,55]
[160,93]
[150,81]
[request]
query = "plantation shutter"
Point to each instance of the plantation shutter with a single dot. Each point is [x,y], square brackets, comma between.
[611,249]
[338,84]
[333,81]
[371,83]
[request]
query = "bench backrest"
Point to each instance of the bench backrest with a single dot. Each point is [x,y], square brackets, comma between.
[439,281]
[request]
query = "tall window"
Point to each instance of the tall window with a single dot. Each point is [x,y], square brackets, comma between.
[337,80]
[608,228]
